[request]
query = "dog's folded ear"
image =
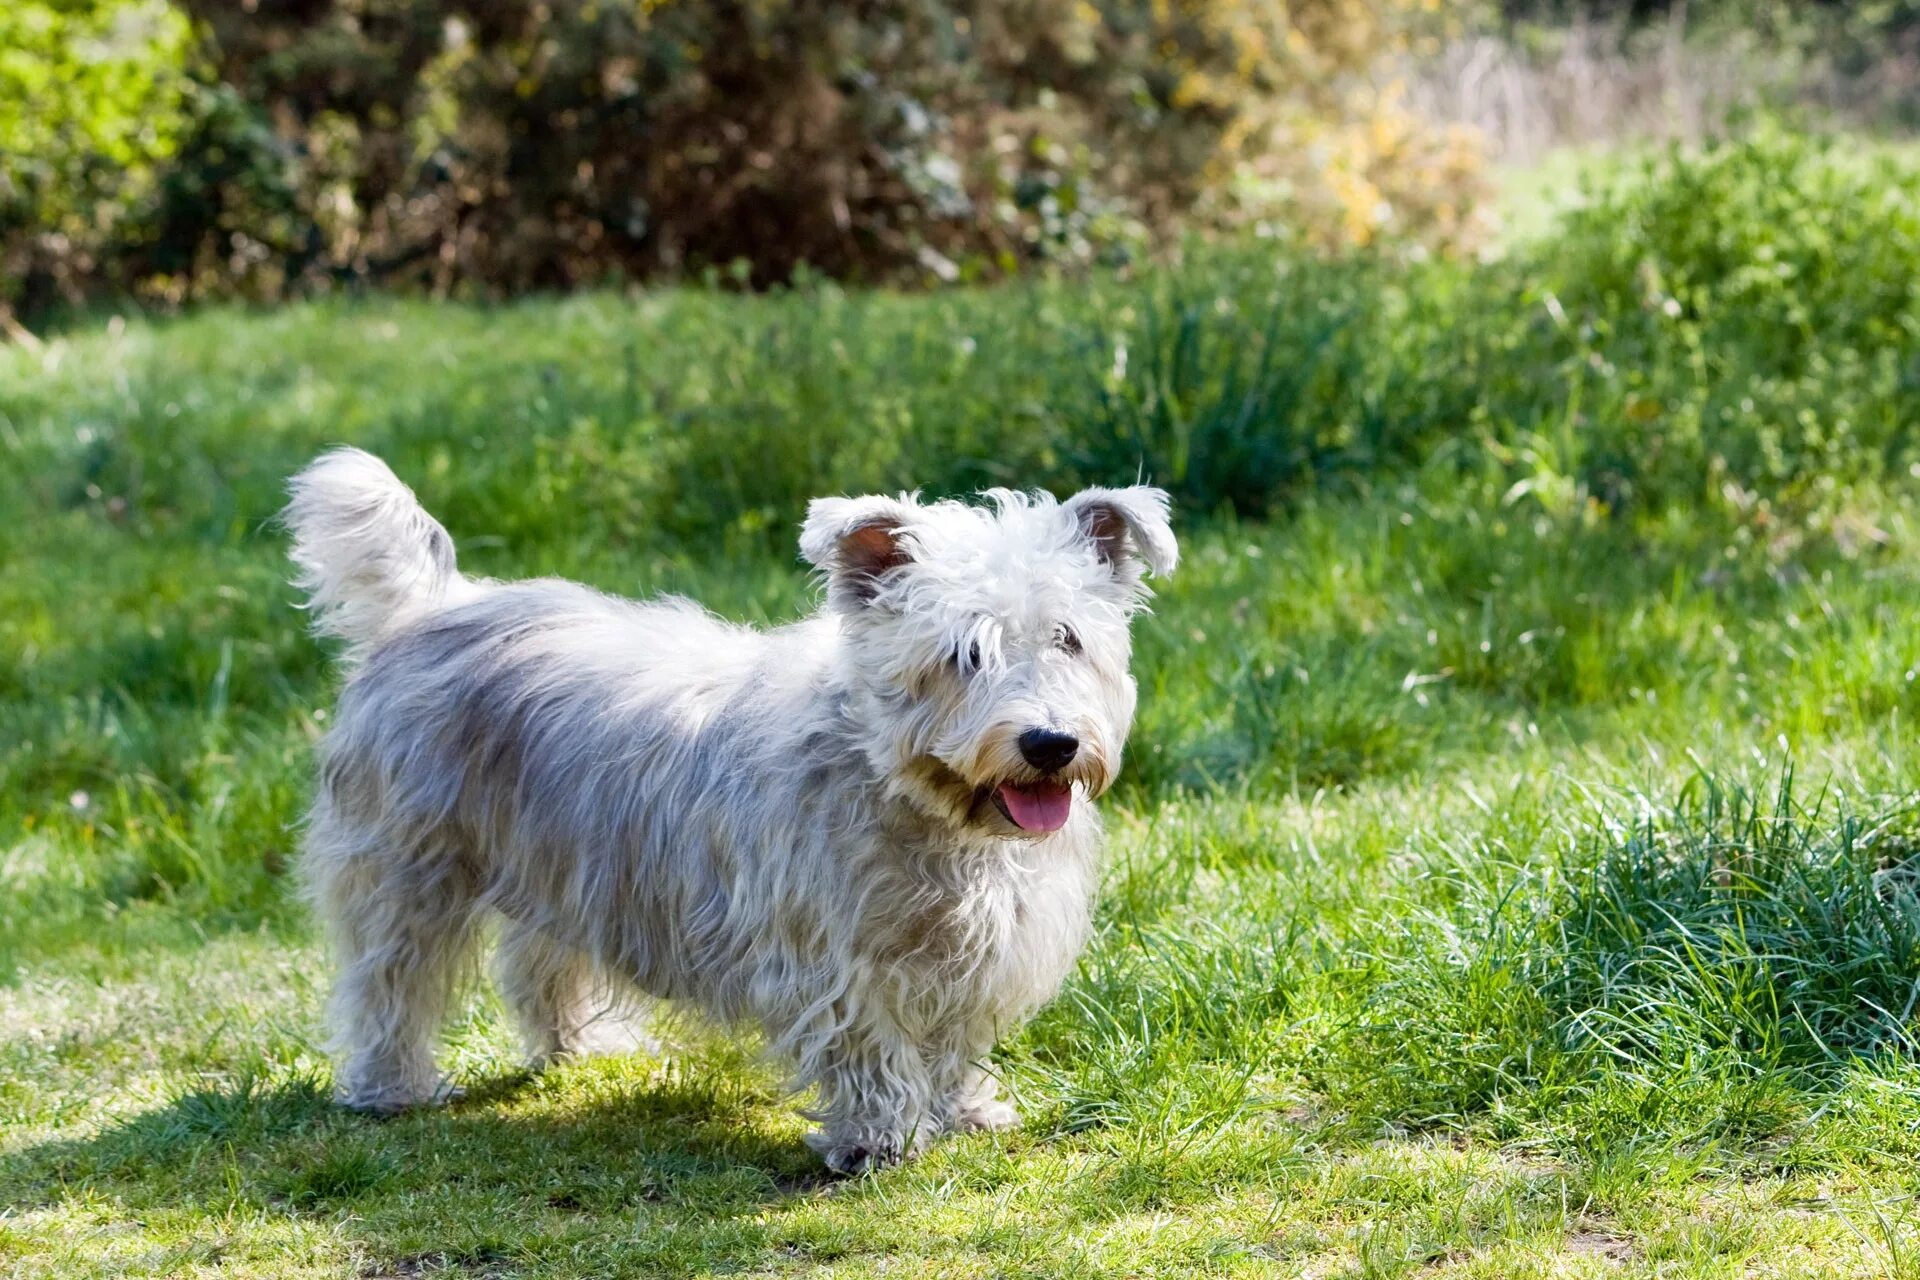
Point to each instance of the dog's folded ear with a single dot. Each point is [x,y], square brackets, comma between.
[1127,526]
[855,542]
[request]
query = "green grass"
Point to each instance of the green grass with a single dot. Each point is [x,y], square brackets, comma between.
[1512,873]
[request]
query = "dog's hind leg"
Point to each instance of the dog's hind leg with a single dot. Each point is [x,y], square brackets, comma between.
[402,925]
[975,1104]
[565,1005]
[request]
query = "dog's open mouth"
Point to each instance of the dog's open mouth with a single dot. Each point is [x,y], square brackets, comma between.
[1037,806]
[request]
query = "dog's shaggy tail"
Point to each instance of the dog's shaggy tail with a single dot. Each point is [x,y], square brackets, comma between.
[368,554]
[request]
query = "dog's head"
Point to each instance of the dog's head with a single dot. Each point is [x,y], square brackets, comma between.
[987,646]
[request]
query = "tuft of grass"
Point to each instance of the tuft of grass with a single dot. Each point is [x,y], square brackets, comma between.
[336,1174]
[1681,969]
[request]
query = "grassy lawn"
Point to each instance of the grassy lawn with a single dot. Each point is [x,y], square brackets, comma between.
[1511,876]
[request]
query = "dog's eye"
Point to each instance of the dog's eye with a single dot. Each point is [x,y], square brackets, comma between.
[1065,637]
[967,660]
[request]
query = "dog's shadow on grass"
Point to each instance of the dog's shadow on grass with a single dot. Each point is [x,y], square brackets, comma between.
[671,1167]
[590,1140]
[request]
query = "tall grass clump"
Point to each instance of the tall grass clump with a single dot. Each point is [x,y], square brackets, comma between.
[1747,923]
[1728,937]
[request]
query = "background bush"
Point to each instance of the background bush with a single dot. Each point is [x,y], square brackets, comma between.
[94,102]
[297,144]
[169,150]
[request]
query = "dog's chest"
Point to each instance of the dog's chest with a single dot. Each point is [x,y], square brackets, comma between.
[982,941]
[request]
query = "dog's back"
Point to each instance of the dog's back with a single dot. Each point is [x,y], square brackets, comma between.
[476,704]
[546,714]
[541,748]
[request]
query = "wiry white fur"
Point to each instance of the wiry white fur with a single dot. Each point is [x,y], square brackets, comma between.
[793,828]
[368,556]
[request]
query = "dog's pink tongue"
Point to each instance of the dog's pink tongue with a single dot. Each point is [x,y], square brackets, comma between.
[1041,807]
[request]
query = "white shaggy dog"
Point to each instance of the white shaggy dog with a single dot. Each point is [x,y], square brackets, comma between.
[868,833]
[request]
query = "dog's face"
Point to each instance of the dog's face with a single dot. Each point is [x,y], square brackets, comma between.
[988,646]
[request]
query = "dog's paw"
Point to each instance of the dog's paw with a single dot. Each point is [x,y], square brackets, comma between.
[985,1115]
[851,1155]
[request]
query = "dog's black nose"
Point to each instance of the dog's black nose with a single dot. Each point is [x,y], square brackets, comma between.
[1048,751]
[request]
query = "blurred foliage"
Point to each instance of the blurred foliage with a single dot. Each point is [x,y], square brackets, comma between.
[507,145]
[1723,334]
[1880,15]
[93,103]
[1751,313]
[1876,42]
[1720,330]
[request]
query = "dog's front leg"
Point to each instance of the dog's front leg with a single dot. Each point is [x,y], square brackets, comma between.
[874,1102]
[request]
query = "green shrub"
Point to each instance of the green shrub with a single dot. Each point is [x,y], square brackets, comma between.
[496,148]
[1770,287]
[526,145]
[94,101]
[1730,328]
